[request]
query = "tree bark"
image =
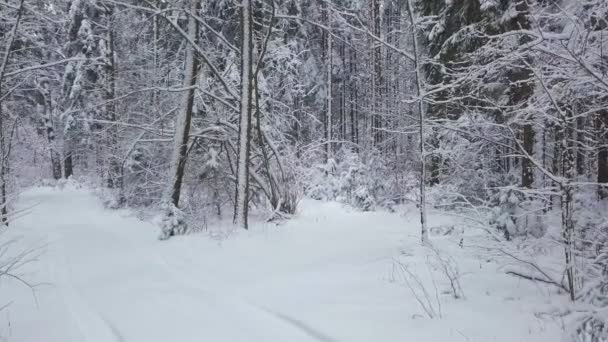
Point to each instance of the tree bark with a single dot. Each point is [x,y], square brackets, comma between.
[114,170]
[354,117]
[3,152]
[567,200]
[328,109]
[377,79]
[241,206]
[527,167]
[184,118]
[45,102]
[68,161]
[521,90]
[602,153]
[424,234]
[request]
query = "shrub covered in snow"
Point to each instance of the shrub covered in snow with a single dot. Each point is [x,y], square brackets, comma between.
[515,214]
[173,221]
[592,325]
[364,184]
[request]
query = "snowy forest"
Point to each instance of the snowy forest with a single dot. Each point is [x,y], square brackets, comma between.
[438,135]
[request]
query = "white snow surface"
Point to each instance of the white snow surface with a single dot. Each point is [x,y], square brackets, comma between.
[327,275]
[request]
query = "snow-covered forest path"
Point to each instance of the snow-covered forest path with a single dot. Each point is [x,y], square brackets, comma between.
[324,276]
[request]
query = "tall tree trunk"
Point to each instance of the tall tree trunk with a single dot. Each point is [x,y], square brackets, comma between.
[329,98]
[353,85]
[527,167]
[602,153]
[521,90]
[580,143]
[241,205]
[567,199]
[182,127]
[68,161]
[342,111]
[3,171]
[377,79]
[45,102]
[3,152]
[114,170]
[556,160]
[421,117]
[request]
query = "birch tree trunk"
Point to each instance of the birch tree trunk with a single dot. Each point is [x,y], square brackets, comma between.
[241,205]
[421,117]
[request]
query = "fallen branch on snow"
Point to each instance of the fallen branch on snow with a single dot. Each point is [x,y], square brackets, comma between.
[535,278]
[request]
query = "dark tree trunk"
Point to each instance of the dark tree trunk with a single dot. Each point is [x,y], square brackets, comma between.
[43,99]
[183,122]
[580,149]
[3,172]
[527,168]
[521,90]
[354,118]
[3,152]
[602,153]
[68,164]
[377,75]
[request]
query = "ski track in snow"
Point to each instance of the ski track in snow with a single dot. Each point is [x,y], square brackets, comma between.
[324,277]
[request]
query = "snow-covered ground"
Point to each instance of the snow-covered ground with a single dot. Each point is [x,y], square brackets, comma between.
[331,274]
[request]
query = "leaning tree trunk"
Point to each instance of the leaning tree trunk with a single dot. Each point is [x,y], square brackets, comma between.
[241,205]
[174,225]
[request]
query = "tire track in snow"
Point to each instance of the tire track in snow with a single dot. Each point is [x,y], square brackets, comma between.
[296,323]
[247,306]
[94,326]
[91,324]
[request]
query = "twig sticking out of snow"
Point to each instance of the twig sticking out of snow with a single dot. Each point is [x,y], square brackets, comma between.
[449,268]
[431,307]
